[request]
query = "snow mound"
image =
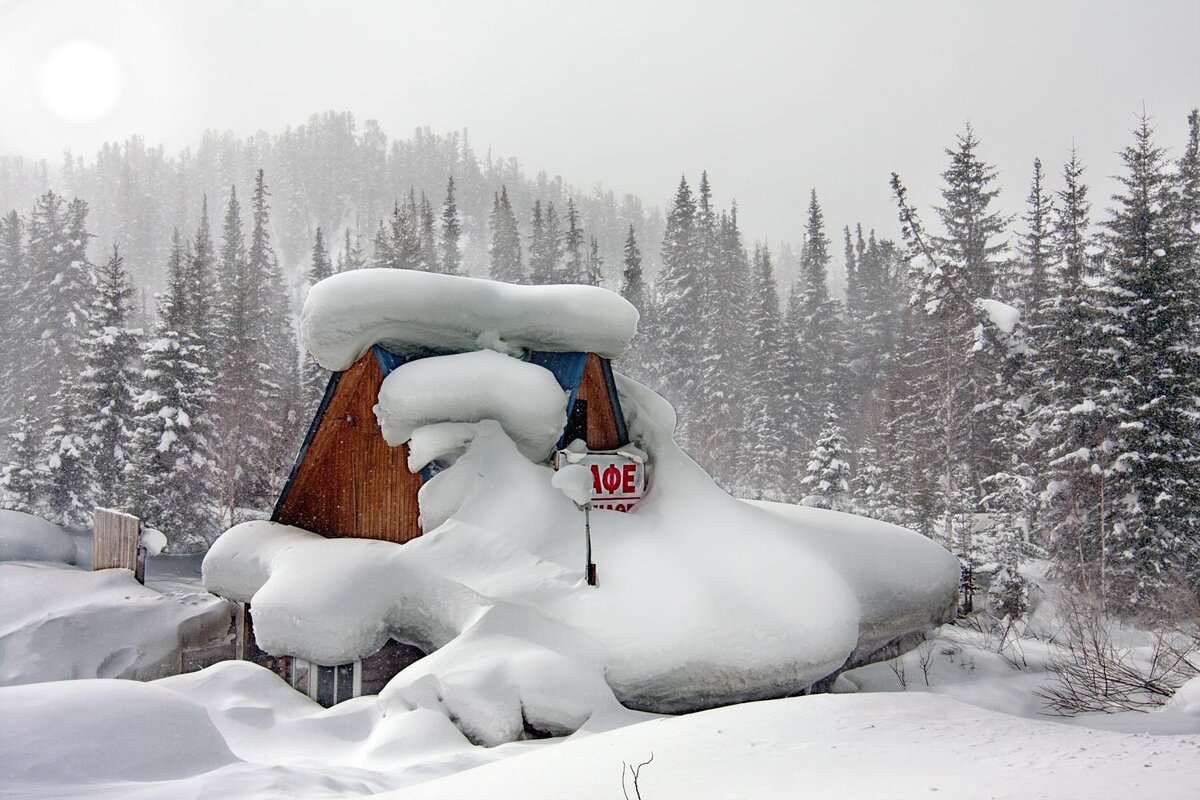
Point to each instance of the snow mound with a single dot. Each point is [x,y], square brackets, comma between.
[414,312]
[58,622]
[24,537]
[702,600]
[1002,315]
[469,387]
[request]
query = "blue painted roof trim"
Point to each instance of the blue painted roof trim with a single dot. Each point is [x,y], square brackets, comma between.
[567,369]
[388,360]
[330,388]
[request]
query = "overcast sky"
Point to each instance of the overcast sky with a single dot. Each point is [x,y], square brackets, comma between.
[771,97]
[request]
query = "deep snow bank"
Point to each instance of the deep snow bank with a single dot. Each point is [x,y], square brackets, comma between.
[703,599]
[58,622]
[344,315]
[24,537]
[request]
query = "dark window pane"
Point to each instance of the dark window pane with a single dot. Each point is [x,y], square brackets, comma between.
[300,674]
[577,424]
[325,686]
[345,682]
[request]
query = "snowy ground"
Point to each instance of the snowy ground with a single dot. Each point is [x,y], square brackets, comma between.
[237,731]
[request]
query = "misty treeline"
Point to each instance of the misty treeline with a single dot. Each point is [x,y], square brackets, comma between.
[1012,387]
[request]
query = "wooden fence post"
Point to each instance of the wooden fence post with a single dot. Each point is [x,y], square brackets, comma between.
[116,542]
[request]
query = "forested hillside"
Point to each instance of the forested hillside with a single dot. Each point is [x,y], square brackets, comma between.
[1008,386]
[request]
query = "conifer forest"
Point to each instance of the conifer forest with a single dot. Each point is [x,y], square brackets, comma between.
[953,370]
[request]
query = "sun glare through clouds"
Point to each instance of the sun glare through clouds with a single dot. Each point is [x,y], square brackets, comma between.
[80,81]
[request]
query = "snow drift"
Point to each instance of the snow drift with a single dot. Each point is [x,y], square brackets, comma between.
[24,537]
[703,599]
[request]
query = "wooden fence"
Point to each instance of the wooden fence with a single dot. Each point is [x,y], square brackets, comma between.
[116,542]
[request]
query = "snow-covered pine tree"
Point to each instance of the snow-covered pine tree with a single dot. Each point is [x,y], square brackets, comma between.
[869,492]
[451,263]
[633,285]
[574,268]
[541,260]
[594,272]
[1157,376]
[430,260]
[1070,412]
[821,340]
[405,232]
[351,256]
[19,481]
[383,250]
[679,304]
[1036,247]
[765,469]
[827,476]
[506,241]
[13,339]
[316,377]
[58,291]
[278,395]
[175,471]
[65,479]
[106,386]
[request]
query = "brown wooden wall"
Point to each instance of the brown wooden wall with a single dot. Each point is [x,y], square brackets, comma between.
[602,431]
[351,482]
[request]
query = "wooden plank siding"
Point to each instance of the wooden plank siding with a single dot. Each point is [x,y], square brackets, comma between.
[115,539]
[351,482]
[602,430]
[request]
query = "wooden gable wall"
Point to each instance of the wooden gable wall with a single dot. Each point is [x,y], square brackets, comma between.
[604,432]
[349,481]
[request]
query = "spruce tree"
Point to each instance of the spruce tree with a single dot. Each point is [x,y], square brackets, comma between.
[506,241]
[13,336]
[574,267]
[316,377]
[820,336]
[595,263]
[1156,376]
[175,486]
[451,263]
[678,306]
[1036,247]
[19,481]
[768,444]
[541,256]
[827,476]
[633,286]
[430,259]
[106,387]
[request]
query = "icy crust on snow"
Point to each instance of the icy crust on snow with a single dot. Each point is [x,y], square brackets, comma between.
[415,312]
[469,387]
[703,599]
[59,622]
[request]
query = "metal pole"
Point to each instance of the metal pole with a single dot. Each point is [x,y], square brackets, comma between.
[587,531]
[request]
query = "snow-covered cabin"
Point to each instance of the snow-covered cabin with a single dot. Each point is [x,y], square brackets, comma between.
[456,350]
[347,479]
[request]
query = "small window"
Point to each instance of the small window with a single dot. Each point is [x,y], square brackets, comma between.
[327,685]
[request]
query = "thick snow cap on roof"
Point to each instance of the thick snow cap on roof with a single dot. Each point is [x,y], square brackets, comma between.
[409,312]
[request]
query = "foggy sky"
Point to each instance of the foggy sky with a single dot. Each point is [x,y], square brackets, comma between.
[771,97]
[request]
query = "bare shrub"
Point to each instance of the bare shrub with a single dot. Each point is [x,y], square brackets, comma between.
[636,772]
[1092,673]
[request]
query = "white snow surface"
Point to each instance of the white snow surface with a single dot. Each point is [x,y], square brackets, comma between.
[410,312]
[469,387]
[59,622]
[702,599]
[236,730]
[24,537]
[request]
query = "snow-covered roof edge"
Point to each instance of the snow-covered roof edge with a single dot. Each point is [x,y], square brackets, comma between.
[409,312]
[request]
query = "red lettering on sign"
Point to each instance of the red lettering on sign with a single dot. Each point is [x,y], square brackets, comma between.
[611,478]
[627,485]
[596,479]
